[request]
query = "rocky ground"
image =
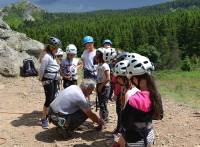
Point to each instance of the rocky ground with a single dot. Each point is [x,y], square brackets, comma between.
[20,111]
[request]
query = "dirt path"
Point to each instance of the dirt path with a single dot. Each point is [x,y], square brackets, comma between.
[21,102]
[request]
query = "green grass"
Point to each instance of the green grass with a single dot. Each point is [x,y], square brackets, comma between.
[180,86]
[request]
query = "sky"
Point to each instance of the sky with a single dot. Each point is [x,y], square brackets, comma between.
[86,5]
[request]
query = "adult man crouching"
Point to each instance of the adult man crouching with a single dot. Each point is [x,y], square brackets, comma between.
[70,108]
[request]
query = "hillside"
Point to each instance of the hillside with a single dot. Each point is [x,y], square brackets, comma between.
[167,33]
[16,14]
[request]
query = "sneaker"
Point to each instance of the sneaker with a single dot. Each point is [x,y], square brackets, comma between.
[45,124]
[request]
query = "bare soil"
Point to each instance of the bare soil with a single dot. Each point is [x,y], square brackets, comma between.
[20,110]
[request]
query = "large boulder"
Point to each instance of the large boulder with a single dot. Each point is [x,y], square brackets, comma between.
[21,42]
[11,61]
[14,48]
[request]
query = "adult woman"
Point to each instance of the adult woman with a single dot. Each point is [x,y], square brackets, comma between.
[49,75]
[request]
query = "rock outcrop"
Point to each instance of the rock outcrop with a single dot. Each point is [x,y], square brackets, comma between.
[11,61]
[14,48]
[20,42]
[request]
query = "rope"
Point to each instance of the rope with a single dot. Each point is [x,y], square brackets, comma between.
[2,140]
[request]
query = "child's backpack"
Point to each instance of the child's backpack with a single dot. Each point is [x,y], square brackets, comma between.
[158,111]
[28,68]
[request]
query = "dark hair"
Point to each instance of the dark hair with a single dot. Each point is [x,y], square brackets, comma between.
[151,85]
[48,49]
[99,55]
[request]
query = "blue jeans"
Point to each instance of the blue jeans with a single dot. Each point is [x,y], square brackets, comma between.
[103,97]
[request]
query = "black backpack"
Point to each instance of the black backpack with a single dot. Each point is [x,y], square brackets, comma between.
[28,68]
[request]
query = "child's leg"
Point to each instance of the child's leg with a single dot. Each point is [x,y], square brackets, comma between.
[103,100]
[118,111]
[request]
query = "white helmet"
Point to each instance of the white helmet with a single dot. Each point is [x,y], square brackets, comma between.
[122,56]
[101,50]
[120,68]
[109,55]
[131,56]
[71,49]
[54,42]
[138,66]
[59,52]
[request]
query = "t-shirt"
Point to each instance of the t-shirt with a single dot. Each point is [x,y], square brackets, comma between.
[88,58]
[49,68]
[69,67]
[70,100]
[141,101]
[101,77]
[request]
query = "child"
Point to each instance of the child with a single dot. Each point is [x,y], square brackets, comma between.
[69,67]
[138,108]
[59,55]
[107,43]
[103,83]
[119,81]
[49,75]
[88,59]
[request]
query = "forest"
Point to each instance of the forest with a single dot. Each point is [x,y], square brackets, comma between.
[167,33]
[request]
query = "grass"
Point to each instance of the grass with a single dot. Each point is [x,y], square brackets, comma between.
[180,86]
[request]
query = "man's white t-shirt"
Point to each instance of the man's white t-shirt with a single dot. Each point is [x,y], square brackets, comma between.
[88,58]
[70,100]
[101,77]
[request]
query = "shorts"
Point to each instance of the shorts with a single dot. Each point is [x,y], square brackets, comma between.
[50,89]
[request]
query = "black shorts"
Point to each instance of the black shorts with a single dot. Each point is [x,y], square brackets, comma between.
[73,120]
[67,83]
[50,90]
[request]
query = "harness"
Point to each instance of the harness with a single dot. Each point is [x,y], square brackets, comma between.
[136,124]
[59,119]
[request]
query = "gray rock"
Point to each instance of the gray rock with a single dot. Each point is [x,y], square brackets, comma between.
[14,48]
[28,17]
[11,61]
[21,42]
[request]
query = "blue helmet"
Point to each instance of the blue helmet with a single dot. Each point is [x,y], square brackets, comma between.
[107,41]
[88,39]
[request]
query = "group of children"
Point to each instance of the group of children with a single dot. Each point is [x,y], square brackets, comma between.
[120,76]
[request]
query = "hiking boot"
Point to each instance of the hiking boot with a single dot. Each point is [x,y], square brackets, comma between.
[45,124]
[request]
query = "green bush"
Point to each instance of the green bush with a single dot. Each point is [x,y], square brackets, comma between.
[186,64]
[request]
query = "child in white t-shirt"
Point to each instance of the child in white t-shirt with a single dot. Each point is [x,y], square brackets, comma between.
[69,67]
[103,83]
[88,58]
